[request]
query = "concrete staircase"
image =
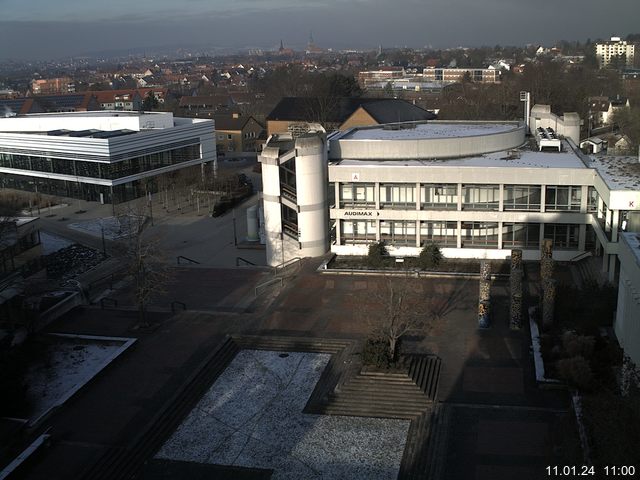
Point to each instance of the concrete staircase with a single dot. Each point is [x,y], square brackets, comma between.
[402,395]
[588,271]
[125,462]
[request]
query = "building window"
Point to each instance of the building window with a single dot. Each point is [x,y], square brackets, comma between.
[592,200]
[521,235]
[357,195]
[229,137]
[220,136]
[563,198]
[442,196]
[290,222]
[522,197]
[564,236]
[358,231]
[400,196]
[398,232]
[480,234]
[443,234]
[288,179]
[481,197]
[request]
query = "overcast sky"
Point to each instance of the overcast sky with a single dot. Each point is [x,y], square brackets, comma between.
[42,29]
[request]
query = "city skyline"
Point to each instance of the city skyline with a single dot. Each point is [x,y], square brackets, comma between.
[42,30]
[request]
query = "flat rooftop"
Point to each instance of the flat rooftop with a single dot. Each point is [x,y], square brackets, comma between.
[428,130]
[519,158]
[618,172]
[85,124]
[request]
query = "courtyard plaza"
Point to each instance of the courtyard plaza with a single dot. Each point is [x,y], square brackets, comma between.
[493,421]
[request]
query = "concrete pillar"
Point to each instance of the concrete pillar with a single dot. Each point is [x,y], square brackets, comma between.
[484,301]
[582,237]
[338,232]
[337,194]
[417,196]
[548,303]
[501,203]
[459,234]
[376,194]
[612,268]
[543,198]
[417,233]
[584,198]
[459,197]
[615,221]
[500,234]
[600,207]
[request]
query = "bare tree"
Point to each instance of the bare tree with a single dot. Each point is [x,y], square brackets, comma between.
[395,307]
[145,256]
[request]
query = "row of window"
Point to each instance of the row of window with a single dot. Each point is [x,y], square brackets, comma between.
[445,233]
[109,171]
[474,197]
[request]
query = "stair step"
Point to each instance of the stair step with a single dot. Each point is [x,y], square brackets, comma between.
[370,414]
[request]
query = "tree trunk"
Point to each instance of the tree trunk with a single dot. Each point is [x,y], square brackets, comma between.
[392,348]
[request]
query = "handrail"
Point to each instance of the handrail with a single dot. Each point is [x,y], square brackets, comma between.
[581,256]
[189,260]
[245,261]
[286,264]
[104,300]
[176,302]
[109,276]
[267,283]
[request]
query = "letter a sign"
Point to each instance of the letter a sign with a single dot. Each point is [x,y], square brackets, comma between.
[355,177]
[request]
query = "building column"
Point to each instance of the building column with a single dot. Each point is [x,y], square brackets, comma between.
[600,207]
[377,230]
[459,234]
[500,205]
[459,202]
[541,240]
[376,194]
[584,197]
[500,228]
[543,199]
[338,231]
[337,194]
[615,221]
[417,196]
[612,267]
[582,237]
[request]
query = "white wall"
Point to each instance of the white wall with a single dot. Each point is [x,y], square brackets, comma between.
[627,323]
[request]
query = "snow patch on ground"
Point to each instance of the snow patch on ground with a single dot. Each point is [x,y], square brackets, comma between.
[252,417]
[114,227]
[52,243]
[69,365]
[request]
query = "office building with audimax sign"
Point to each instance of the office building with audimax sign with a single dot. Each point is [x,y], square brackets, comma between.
[100,156]
[476,189]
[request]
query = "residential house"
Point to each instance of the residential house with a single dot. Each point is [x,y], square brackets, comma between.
[237,133]
[125,100]
[293,113]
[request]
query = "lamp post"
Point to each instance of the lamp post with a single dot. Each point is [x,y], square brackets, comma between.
[104,245]
[235,233]
[150,207]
